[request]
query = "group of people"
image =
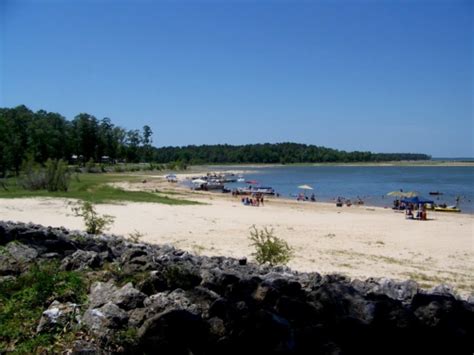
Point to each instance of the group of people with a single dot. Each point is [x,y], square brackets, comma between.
[340,201]
[303,197]
[420,212]
[255,200]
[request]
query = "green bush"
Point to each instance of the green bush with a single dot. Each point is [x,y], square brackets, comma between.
[54,176]
[90,166]
[119,169]
[57,175]
[33,177]
[95,224]
[269,249]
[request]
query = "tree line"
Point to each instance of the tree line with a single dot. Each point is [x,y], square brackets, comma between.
[279,153]
[39,136]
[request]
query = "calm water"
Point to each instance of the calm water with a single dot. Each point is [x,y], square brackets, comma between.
[370,183]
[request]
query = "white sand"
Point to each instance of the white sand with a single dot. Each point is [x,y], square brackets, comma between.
[360,241]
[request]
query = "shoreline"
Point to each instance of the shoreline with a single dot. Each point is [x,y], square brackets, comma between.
[357,241]
[203,169]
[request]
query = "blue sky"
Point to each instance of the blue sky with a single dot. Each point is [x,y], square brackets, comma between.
[384,76]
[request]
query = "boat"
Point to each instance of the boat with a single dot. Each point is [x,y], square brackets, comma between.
[212,185]
[447,209]
[266,190]
[435,193]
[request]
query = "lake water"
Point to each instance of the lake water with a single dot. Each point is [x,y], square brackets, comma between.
[371,183]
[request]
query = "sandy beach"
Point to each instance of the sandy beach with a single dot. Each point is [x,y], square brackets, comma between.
[358,241]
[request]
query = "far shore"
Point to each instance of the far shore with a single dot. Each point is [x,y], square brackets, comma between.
[407,163]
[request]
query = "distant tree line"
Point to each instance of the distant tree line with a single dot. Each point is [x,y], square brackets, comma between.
[279,153]
[39,136]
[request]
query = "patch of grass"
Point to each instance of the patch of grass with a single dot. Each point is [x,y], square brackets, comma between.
[22,302]
[93,188]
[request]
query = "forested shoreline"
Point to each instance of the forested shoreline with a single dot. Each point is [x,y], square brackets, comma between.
[41,135]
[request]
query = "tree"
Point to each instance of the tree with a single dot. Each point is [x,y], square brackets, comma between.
[147,140]
[85,129]
[133,143]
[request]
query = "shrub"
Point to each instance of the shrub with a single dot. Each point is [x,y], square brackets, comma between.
[57,175]
[53,177]
[90,166]
[269,249]
[95,224]
[118,169]
[33,176]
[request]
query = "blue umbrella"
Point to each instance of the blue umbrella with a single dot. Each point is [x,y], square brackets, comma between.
[417,200]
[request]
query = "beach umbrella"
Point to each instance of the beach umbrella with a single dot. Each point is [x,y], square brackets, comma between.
[305,187]
[411,194]
[199,181]
[397,194]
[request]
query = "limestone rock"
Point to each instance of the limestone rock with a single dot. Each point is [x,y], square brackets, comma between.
[81,260]
[103,319]
[58,315]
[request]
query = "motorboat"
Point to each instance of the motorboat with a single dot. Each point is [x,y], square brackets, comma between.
[447,209]
[435,193]
[264,190]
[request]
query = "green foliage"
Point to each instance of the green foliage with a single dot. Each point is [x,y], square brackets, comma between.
[90,166]
[95,223]
[279,153]
[127,338]
[57,175]
[34,177]
[93,188]
[53,177]
[47,135]
[269,249]
[23,300]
